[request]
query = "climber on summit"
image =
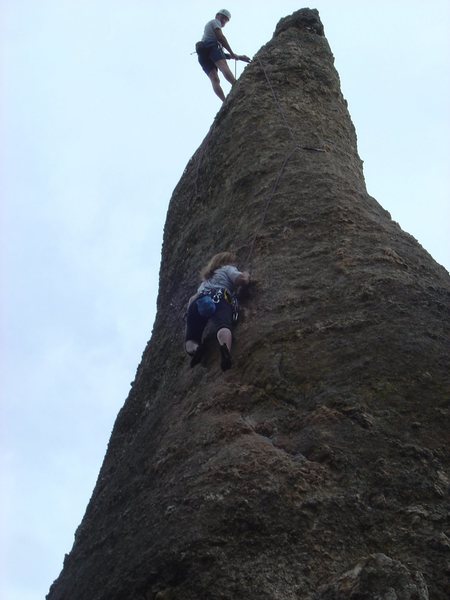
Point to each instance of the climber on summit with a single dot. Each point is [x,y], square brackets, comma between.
[211,55]
[216,300]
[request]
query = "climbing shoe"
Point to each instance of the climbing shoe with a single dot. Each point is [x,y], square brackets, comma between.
[197,356]
[225,362]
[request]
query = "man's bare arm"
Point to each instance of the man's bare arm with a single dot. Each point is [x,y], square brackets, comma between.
[223,41]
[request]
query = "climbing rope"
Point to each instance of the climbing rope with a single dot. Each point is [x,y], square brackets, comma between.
[277,102]
[283,114]
[269,198]
[288,156]
[285,161]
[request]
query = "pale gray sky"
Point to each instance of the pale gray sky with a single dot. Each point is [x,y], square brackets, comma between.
[102,106]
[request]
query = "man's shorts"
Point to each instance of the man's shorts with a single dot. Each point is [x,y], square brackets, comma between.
[222,318]
[209,55]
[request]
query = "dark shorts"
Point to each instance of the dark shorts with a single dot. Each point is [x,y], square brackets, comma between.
[209,55]
[195,325]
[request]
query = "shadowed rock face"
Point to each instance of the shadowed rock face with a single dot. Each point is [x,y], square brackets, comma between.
[315,468]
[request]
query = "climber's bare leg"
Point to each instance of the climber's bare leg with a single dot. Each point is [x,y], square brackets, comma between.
[224,337]
[225,70]
[191,346]
[215,81]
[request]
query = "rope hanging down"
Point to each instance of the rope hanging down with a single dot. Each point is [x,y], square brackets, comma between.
[285,161]
[269,198]
[283,114]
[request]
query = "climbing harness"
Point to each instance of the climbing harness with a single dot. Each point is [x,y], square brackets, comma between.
[201,47]
[217,294]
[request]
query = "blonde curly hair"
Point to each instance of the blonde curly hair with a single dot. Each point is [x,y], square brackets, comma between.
[218,260]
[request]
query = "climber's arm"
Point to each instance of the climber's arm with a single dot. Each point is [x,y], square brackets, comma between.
[243,57]
[242,279]
[224,42]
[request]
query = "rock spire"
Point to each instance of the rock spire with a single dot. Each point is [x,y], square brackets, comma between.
[316,467]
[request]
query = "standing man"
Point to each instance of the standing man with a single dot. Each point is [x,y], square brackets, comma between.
[211,55]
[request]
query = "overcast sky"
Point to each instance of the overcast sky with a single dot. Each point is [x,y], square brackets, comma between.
[102,106]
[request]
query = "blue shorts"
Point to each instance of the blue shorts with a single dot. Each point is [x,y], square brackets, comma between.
[208,55]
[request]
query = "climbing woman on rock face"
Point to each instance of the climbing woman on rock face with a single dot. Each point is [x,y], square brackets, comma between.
[215,300]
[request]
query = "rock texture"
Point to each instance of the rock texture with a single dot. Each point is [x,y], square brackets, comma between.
[316,467]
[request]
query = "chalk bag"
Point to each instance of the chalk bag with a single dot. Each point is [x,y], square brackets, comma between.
[206,306]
